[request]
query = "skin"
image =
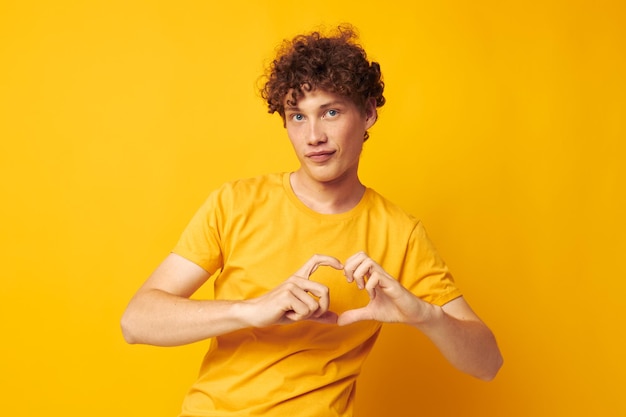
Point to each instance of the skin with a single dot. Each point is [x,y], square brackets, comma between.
[326,132]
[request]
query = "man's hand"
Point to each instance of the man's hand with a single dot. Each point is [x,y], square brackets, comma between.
[389,302]
[296,299]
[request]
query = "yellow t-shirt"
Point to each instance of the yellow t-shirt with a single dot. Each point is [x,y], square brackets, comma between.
[256,233]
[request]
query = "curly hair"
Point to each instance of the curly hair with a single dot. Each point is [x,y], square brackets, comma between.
[335,63]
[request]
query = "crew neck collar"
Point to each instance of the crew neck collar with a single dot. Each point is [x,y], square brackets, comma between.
[306,209]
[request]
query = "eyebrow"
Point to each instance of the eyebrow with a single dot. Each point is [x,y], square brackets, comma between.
[321,107]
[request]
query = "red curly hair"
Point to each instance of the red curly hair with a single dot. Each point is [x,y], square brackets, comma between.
[335,63]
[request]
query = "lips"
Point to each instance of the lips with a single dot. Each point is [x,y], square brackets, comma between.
[320,156]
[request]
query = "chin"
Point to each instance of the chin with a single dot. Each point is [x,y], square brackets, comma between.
[326,175]
[328,179]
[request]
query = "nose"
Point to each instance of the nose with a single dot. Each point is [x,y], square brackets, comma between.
[316,133]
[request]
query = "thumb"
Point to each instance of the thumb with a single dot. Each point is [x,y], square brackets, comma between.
[353,316]
[327,318]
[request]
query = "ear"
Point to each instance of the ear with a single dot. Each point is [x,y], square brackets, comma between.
[371,114]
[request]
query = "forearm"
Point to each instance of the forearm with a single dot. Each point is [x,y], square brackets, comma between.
[158,318]
[467,344]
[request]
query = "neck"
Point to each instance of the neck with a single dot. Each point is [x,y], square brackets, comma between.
[327,198]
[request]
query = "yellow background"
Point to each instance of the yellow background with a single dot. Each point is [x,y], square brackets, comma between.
[503,131]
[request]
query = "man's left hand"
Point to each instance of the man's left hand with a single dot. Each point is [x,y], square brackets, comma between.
[389,302]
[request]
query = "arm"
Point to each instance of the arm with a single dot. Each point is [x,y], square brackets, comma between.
[162,314]
[465,341]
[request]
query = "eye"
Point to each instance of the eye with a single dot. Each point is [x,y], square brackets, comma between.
[331,113]
[298,117]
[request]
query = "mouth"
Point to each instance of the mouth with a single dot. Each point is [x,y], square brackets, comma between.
[320,156]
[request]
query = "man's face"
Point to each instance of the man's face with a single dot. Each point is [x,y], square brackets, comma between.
[327,131]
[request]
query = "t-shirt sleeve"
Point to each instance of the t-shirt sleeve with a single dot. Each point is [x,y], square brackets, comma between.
[201,240]
[425,273]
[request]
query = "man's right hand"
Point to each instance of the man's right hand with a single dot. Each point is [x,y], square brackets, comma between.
[162,313]
[296,299]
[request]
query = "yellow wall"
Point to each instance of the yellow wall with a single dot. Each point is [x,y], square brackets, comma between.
[503,131]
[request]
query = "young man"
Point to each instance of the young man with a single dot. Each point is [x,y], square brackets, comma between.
[310,263]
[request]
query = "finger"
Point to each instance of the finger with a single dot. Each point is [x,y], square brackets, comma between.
[316,261]
[320,291]
[359,268]
[301,306]
[303,284]
[372,283]
[353,316]
[313,294]
[328,317]
[362,273]
[352,264]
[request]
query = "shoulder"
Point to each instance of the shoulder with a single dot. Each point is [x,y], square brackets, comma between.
[252,183]
[378,205]
[249,188]
[245,195]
